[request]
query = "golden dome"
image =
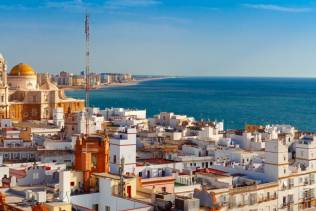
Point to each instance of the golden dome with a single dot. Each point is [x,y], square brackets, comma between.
[22,70]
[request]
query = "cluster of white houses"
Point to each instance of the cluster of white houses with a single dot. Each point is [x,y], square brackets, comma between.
[162,163]
[167,162]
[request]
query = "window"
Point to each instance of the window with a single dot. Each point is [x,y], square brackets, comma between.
[95,207]
[34,112]
[36,175]
[114,159]
[72,184]
[94,160]
[107,208]
[163,189]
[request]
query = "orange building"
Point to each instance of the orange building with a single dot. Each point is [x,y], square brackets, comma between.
[92,156]
[23,98]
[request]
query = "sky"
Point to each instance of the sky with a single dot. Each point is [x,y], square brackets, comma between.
[163,37]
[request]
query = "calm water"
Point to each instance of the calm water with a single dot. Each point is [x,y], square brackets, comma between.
[237,101]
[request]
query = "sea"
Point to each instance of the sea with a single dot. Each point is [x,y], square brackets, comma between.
[235,100]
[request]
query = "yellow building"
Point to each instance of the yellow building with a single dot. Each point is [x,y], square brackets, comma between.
[23,98]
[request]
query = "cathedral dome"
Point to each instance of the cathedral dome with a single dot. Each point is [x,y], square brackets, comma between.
[22,70]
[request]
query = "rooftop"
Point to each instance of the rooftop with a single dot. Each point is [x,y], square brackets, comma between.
[142,162]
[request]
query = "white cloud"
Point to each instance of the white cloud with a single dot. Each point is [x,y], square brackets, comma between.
[116,4]
[67,5]
[14,7]
[175,20]
[278,8]
[49,4]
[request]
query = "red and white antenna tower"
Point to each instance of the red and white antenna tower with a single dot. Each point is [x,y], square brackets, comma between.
[87,70]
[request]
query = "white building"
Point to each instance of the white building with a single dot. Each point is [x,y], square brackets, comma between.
[114,113]
[106,198]
[123,145]
[58,117]
[76,123]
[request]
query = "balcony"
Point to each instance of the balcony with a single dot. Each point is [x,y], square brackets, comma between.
[288,204]
[232,204]
[291,185]
[308,195]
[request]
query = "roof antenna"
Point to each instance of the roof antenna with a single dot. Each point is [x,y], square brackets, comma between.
[87,69]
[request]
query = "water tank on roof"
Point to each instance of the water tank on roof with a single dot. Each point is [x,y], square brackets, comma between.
[40,196]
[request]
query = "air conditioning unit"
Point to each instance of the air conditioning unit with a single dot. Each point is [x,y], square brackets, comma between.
[29,196]
[161,204]
[164,201]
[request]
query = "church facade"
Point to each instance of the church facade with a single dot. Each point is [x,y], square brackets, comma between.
[23,97]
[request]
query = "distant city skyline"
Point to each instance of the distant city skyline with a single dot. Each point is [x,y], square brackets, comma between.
[163,37]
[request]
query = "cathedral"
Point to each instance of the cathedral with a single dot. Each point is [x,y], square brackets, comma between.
[23,97]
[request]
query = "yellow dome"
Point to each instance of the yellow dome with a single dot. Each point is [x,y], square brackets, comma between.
[22,70]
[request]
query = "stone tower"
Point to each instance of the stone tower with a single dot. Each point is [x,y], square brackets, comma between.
[276,160]
[4,91]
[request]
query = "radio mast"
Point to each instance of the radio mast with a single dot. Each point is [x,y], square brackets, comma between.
[87,69]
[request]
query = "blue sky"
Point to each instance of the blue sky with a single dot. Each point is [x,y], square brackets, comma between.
[170,37]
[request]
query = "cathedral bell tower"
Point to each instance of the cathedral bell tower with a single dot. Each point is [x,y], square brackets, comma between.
[4,91]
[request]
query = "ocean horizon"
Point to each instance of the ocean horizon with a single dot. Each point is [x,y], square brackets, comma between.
[235,100]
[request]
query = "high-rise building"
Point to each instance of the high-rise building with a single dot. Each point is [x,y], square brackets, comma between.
[4,91]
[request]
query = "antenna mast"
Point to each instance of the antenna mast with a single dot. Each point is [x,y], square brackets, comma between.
[87,70]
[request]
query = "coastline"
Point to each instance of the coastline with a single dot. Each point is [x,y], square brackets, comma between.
[103,86]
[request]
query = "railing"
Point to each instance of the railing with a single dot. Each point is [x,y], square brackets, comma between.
[243,189]
[308,195]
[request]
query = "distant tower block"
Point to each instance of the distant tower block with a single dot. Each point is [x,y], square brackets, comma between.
[4,91]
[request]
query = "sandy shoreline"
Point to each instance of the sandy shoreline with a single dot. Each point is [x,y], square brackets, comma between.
[131,83]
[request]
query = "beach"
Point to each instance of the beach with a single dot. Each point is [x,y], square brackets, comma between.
[103,86]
